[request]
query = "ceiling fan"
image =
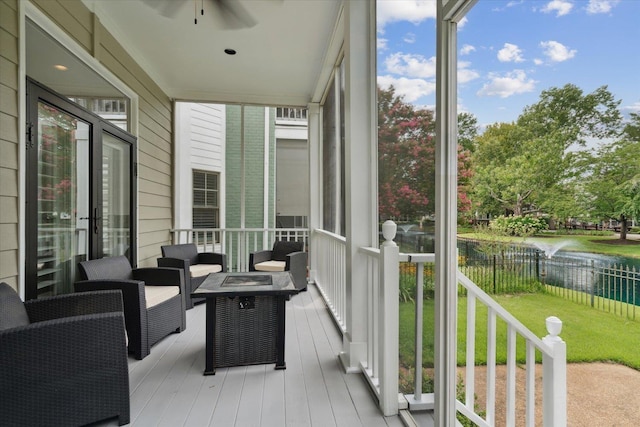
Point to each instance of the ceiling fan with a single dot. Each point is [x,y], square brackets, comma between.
[231,13]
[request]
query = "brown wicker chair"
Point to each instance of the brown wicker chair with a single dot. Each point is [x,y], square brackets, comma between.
[63,359]
[285,256]
[154,298]
[196,266]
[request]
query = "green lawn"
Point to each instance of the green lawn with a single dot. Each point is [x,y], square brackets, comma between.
[591,335]
[574,242]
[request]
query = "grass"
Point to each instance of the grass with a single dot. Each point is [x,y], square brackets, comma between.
[591,335]
[573,242]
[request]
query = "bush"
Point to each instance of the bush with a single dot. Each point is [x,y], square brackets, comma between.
[526,225]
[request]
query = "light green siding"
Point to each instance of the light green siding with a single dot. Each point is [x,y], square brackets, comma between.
[254,164]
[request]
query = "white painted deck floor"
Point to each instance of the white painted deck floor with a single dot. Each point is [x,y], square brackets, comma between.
[169,389]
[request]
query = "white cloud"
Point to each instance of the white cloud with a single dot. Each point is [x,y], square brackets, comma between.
[557,52]
[559,7]
[467,49]
[601,6]
[512,83]
[411,65]
[410,89]
[510,53]
[414,11]
[465,74]
[463,22]
[634,108]
[409,38]
[382,43]
[538,61]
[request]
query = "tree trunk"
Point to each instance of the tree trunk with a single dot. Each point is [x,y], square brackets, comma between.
[623,227]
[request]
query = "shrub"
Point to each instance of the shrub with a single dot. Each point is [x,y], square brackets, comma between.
[518,225]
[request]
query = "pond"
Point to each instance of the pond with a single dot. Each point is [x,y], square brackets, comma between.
[608,276]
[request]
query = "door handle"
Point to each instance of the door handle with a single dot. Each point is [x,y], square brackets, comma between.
[96,218]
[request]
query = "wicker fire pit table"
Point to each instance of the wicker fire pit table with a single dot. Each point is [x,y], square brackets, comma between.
[245,321]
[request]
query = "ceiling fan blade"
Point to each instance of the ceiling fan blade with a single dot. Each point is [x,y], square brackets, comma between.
[234,14]
[166,8]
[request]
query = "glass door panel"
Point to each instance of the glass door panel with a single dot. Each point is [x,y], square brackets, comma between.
[116,196]
[62,198]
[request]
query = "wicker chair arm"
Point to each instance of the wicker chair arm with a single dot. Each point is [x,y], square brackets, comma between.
[174,263]
[296,264]
[213,258]
[132,290]
[133,297]
[160,276]
[75,304]
[258,257]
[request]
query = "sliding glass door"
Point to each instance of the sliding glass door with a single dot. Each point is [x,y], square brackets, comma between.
[79,191]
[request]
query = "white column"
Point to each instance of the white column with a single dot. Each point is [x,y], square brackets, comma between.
[446,227]
[182,176]
[361,169]
[266,190]
[315,180]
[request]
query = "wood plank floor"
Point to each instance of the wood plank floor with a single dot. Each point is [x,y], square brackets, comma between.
[168,388]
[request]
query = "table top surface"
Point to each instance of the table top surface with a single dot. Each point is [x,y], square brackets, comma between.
[252,283]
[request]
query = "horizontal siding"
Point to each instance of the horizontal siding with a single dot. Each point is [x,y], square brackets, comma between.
[72,16]
[9,144]
[207,136]
[154,149]
[155,121]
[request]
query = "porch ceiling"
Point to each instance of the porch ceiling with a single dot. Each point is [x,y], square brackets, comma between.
[284,59]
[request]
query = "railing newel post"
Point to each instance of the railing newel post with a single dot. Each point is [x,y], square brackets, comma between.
[389,323]
[554,377]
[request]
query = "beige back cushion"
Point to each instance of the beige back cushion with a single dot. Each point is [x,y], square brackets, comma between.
[157,294]
[199,270]
[270,266]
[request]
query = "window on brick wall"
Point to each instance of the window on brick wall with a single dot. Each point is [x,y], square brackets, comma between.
[206,209]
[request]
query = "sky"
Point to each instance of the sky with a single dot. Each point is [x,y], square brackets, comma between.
[509,51]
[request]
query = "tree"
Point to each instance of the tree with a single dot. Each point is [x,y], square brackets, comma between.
[510,169]
[526,164]
[615,169]
[467,131]
[406,158]
[613,178]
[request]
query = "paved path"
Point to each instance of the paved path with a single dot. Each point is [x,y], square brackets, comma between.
[598,395]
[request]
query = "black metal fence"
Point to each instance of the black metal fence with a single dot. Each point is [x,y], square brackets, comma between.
[504,268]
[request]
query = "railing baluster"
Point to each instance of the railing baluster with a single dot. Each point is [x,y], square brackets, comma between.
[530,416]
[491,366]
[511,376]
[470,370]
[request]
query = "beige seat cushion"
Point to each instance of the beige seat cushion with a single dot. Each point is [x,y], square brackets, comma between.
[270,266]
[200,270]
[157,294]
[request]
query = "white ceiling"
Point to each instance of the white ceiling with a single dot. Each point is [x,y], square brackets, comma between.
[280,60]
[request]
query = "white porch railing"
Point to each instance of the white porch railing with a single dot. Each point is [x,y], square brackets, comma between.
[329,267]
[381,364]
[554,360]
[551,347]
[237,243]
